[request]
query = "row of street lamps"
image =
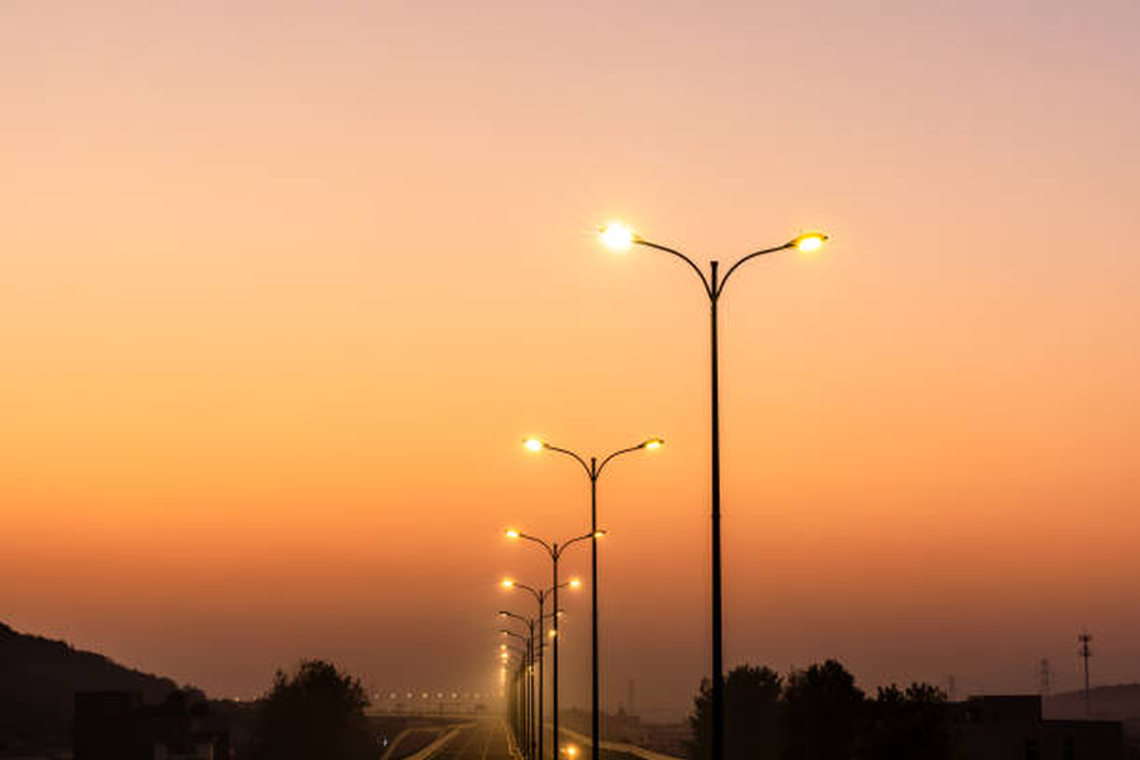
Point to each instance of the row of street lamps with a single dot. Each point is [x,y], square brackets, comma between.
[618,237]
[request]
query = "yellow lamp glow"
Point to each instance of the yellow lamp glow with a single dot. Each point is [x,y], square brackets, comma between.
[653,443]
[617,237]
[575,583]
[534,444]
[809,242]
[507,583]
[511,533]
[599,533]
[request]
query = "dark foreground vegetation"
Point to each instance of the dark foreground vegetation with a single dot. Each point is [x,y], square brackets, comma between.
[316,712]
[820,714]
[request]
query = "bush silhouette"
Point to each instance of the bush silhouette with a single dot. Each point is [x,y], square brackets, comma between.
[316,713]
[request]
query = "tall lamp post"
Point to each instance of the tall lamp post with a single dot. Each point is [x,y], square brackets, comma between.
[540,596]
[516,702]
[527,691]
[620,238]
[593,472]
[555,550]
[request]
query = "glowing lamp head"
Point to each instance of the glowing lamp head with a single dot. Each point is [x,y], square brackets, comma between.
[809,242]
[617,237]
[534,444]
[502,646]
[653,443]
[599,534]
[571,751]
[507,583]
[511,533]
[575,583]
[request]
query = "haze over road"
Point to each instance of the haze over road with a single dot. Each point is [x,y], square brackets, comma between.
[487,740]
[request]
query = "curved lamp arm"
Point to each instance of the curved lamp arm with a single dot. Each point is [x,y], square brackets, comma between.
[723,280]
[539,541]
[573,541]
[569,453]
[683,257]
[520,618]
[539,596]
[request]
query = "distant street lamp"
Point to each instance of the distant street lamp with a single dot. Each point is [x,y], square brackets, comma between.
[593,472]
[555,551]
[528,674]
[619,237]
[540,596]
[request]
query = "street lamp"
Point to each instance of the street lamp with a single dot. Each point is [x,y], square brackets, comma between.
[527,674]
[528,725]
[593,472]
[555,551]
[540,596]
[619,237]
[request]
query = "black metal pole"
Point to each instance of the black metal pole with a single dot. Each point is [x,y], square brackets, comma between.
[541,667]
[717,641]
[595,729]
[530,709]
[554,700]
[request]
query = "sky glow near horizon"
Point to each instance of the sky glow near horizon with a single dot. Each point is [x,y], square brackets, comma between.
[285,287]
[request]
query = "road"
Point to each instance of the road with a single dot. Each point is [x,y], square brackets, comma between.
[486,740]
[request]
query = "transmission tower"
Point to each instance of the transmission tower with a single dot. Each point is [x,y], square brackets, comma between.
[1085,654]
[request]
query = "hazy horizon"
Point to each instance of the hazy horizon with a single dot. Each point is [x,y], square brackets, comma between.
[285,285]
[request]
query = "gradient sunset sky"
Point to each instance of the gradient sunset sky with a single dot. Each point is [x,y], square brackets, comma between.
[284,284]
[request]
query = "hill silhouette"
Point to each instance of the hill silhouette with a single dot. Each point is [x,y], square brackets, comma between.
[38,681]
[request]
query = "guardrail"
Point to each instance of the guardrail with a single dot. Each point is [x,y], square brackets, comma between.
[449,733]
[629,749]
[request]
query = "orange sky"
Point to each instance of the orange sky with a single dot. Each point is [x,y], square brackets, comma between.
[283,286]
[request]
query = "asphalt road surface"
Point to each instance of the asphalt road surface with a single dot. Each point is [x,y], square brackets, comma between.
[487,740]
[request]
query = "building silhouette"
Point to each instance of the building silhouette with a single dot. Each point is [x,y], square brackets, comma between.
[118,725]
[989,728]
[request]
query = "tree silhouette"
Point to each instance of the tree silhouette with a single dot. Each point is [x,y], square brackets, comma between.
[316,713]
[908,725]
[825,713]
[819,714]
[752,722]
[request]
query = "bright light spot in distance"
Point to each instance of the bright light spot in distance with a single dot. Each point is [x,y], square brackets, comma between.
[534,444]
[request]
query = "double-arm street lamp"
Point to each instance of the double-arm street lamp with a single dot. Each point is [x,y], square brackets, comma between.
[555,550]
[527,722]
[540,596]
[593,472]
[517,699]
[619,237]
